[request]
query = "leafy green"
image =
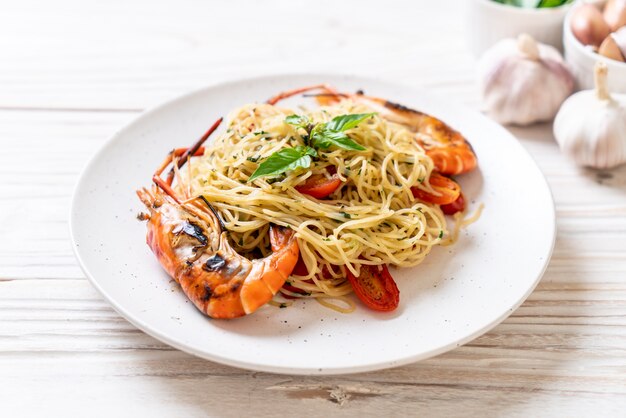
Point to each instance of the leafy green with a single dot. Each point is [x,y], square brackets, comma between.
[553,3]
[284,160]
[344,122]
[325,135]
[323,139]
[531,4]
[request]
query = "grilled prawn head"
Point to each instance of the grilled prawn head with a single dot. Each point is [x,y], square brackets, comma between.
[189,242]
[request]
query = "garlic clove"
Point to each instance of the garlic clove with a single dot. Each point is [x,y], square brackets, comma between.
[522,81]
[615,14]
[610,49]
[588,25]
[591,125]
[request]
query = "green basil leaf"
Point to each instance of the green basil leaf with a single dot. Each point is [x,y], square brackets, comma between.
[300,121]
[344,122]
[284,160]
[324,139]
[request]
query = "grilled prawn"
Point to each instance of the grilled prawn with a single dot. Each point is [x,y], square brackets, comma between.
[451,153]
[190,242]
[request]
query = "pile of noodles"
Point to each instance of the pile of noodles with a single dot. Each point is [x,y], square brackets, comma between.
[372,219]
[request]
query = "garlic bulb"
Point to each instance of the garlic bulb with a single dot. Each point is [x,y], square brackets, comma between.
[523,82]
[591,125]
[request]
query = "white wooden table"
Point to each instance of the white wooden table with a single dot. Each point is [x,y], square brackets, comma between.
[73,72]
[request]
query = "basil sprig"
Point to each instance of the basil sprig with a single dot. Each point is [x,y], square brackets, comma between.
[321,136]
[284,160]
[326,135]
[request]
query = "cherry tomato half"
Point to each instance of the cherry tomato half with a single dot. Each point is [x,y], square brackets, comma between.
[301,270]
[449,190]
[457,206]
[319,186]
[375,288]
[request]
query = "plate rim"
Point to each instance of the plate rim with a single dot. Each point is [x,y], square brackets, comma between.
[278,369]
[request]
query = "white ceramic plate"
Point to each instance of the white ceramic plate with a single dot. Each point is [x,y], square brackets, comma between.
[457,294]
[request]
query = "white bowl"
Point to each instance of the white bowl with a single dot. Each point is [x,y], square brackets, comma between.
[487,22]
[582,59]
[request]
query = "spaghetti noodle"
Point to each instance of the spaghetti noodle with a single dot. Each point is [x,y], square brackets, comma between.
[372,218]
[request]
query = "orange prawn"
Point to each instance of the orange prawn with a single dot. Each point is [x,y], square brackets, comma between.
[451,153]
[191,243]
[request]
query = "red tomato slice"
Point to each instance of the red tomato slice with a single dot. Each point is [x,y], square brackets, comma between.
[375,288]
[319,186]
[299,270]
[457,206]
[449,190]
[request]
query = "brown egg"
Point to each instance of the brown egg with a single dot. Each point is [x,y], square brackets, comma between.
[588,25]
[615,14]
[610,49]
[620,39]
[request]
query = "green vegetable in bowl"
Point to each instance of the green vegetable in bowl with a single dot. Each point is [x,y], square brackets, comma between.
[532,4]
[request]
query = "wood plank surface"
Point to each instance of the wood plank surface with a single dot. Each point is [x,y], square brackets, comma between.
[73,72]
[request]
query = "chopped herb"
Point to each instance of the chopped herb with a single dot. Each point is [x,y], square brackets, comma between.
[253,159]
[284,160]
[421,180]
[346,215]
[260,133]
[440,234]
[283,305]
